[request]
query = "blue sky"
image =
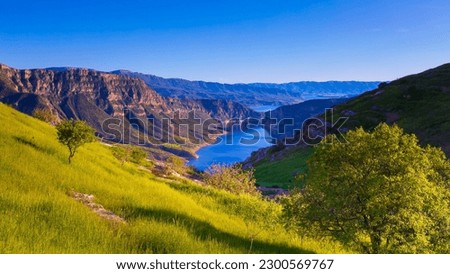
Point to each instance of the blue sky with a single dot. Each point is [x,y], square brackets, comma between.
[230,41]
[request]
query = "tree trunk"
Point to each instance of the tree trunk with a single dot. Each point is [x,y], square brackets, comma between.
[71,154]
[375,241]
[251,246]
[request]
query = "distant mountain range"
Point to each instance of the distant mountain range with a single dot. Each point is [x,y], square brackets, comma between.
[255,94]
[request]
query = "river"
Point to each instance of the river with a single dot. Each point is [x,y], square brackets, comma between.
[231,148]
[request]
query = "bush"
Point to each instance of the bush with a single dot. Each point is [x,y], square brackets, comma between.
[138,155]
[176,164]
[122,153]
[129,153]
[231,178]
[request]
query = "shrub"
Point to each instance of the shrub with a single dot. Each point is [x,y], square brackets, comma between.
[176,164]
[231,178]
[129,153]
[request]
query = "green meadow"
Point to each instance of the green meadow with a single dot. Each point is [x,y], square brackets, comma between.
[38,213]
[281,172]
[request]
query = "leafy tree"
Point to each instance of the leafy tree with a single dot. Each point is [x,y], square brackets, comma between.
[231,178]
[73,134]
[380,192]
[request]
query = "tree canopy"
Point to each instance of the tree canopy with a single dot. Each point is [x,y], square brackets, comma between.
[73,134]
[378,192]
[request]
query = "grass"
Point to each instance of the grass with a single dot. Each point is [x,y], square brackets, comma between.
[38,215]
[281,172]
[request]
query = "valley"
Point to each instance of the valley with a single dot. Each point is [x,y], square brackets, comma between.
[170,201]
[40,212]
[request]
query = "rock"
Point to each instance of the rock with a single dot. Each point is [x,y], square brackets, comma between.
[88,200]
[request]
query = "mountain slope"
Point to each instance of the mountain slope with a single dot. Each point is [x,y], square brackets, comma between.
[418,103]
[41,210]
[281,122]
[120,108]
[252,94]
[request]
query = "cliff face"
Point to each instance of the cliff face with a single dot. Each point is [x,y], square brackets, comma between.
[109,92]
[99,97]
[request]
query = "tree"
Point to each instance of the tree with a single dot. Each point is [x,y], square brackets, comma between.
[379,192]
[231,178]
[74,134]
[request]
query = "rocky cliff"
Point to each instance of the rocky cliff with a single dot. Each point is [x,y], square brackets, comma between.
[112,103]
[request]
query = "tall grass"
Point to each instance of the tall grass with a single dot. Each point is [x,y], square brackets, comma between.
[38,214]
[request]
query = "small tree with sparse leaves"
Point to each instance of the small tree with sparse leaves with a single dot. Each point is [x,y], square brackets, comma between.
[73,134]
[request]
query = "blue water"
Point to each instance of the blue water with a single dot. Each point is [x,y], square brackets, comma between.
[231,148]
[263,108]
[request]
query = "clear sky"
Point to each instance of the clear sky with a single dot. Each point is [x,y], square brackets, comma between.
[230,41]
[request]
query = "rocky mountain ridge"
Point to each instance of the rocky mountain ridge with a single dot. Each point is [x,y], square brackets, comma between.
[97,97]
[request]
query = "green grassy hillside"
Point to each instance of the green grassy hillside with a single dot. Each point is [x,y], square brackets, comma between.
[281,171]
[417,103]
[39,214]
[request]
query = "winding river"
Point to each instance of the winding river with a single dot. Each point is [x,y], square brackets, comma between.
[232,148]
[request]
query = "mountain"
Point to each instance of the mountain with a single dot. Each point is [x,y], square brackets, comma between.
[418,103]
[252,95]
[120,108]
[281,122]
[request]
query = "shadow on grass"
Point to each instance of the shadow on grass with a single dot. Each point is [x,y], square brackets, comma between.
[206,231]
[30,143]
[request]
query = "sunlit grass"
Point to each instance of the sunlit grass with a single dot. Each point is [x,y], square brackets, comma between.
[38,215]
